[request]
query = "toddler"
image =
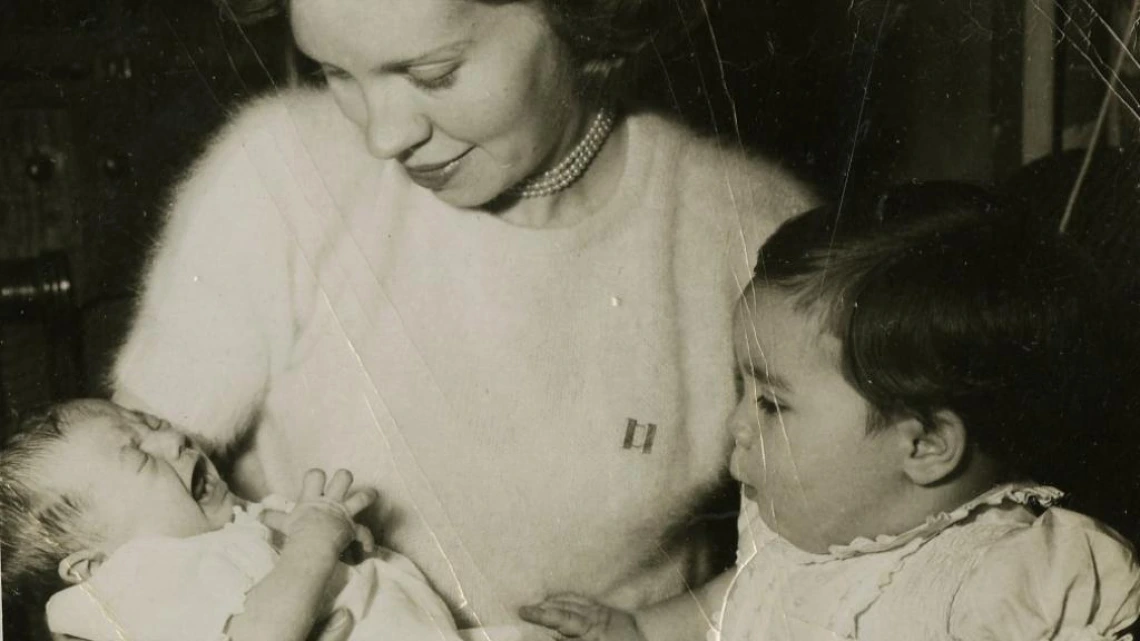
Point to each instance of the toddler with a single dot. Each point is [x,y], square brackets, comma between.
[905,380]
[129,528]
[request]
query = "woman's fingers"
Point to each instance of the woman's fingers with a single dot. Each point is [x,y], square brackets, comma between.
[338,486]
[336,627]
[573,601]
[313,484]
[566,622]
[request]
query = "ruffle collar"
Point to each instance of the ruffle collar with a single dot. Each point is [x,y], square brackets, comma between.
[1028,494]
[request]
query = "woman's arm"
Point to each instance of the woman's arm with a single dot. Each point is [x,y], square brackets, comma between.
[216,315]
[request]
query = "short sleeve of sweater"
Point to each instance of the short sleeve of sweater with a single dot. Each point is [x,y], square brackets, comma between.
[162,589]
[1066,577]
[214,318]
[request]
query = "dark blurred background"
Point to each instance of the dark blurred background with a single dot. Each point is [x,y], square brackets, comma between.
[103,103]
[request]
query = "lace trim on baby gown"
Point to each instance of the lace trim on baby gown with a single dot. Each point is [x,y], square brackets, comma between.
[1039,496]
[849,605]
[861,600]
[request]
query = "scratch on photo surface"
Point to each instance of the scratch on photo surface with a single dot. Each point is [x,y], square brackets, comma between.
[855,134]
[1111,77]
[245,37]
[1110,92]
[190,57]
[120,633]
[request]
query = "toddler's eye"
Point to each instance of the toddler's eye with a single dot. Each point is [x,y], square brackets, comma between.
[769,406]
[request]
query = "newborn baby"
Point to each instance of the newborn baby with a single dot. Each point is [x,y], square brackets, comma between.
[132,524]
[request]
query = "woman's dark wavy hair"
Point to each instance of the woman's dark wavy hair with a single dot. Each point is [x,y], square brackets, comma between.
[944,299]
[608,39]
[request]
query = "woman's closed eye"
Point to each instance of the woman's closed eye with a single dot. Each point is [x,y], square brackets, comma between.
[330,72]
[433,77]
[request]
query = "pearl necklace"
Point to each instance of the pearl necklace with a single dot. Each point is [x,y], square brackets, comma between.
[571,168]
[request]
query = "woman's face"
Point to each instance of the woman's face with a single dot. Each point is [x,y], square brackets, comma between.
[468,97]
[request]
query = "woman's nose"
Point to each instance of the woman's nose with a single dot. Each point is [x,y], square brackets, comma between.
[395,126]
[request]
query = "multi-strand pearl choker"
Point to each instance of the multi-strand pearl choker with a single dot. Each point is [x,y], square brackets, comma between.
[571,168]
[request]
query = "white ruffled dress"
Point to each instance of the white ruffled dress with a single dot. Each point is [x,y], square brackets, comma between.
[992,569]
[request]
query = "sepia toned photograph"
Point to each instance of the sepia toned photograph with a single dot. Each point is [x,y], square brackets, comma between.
[538,320]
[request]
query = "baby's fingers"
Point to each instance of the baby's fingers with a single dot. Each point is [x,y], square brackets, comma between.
[365,539]
[565,622]
[338,485]
[359,500]
[274,519]
[312,485]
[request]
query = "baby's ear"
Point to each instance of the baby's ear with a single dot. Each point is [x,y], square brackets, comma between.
[79,566]
[935,450]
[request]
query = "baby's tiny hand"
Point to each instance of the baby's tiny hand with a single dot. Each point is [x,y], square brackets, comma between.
[576,617]
[323,516]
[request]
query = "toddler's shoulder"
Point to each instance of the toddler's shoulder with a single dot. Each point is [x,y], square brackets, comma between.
[1063,572]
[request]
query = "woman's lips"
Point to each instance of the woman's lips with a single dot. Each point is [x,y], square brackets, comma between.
[435,176]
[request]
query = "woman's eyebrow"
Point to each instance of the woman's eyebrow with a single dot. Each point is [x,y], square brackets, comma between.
[403,65]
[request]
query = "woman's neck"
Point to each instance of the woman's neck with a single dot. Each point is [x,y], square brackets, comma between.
[581,199]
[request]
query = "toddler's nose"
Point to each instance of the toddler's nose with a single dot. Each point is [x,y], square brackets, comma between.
[741,429]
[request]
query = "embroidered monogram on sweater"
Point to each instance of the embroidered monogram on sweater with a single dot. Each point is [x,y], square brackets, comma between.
[639,436]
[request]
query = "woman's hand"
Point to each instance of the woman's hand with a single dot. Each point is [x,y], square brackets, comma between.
[323,516]
[575,617]
[336,627]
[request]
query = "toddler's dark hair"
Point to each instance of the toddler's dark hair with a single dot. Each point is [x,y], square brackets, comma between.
[39,527]
[944,298]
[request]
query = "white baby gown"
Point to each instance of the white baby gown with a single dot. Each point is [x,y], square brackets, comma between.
[186,589]
[991,570]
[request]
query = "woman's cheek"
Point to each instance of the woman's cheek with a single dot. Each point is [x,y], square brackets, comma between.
[350,98]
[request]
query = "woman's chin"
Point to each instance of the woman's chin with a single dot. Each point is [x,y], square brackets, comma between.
[463,193]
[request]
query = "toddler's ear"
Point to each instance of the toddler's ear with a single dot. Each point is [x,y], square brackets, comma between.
[79,566]
[936,450]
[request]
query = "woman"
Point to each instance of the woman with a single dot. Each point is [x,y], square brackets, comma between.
[468,274]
